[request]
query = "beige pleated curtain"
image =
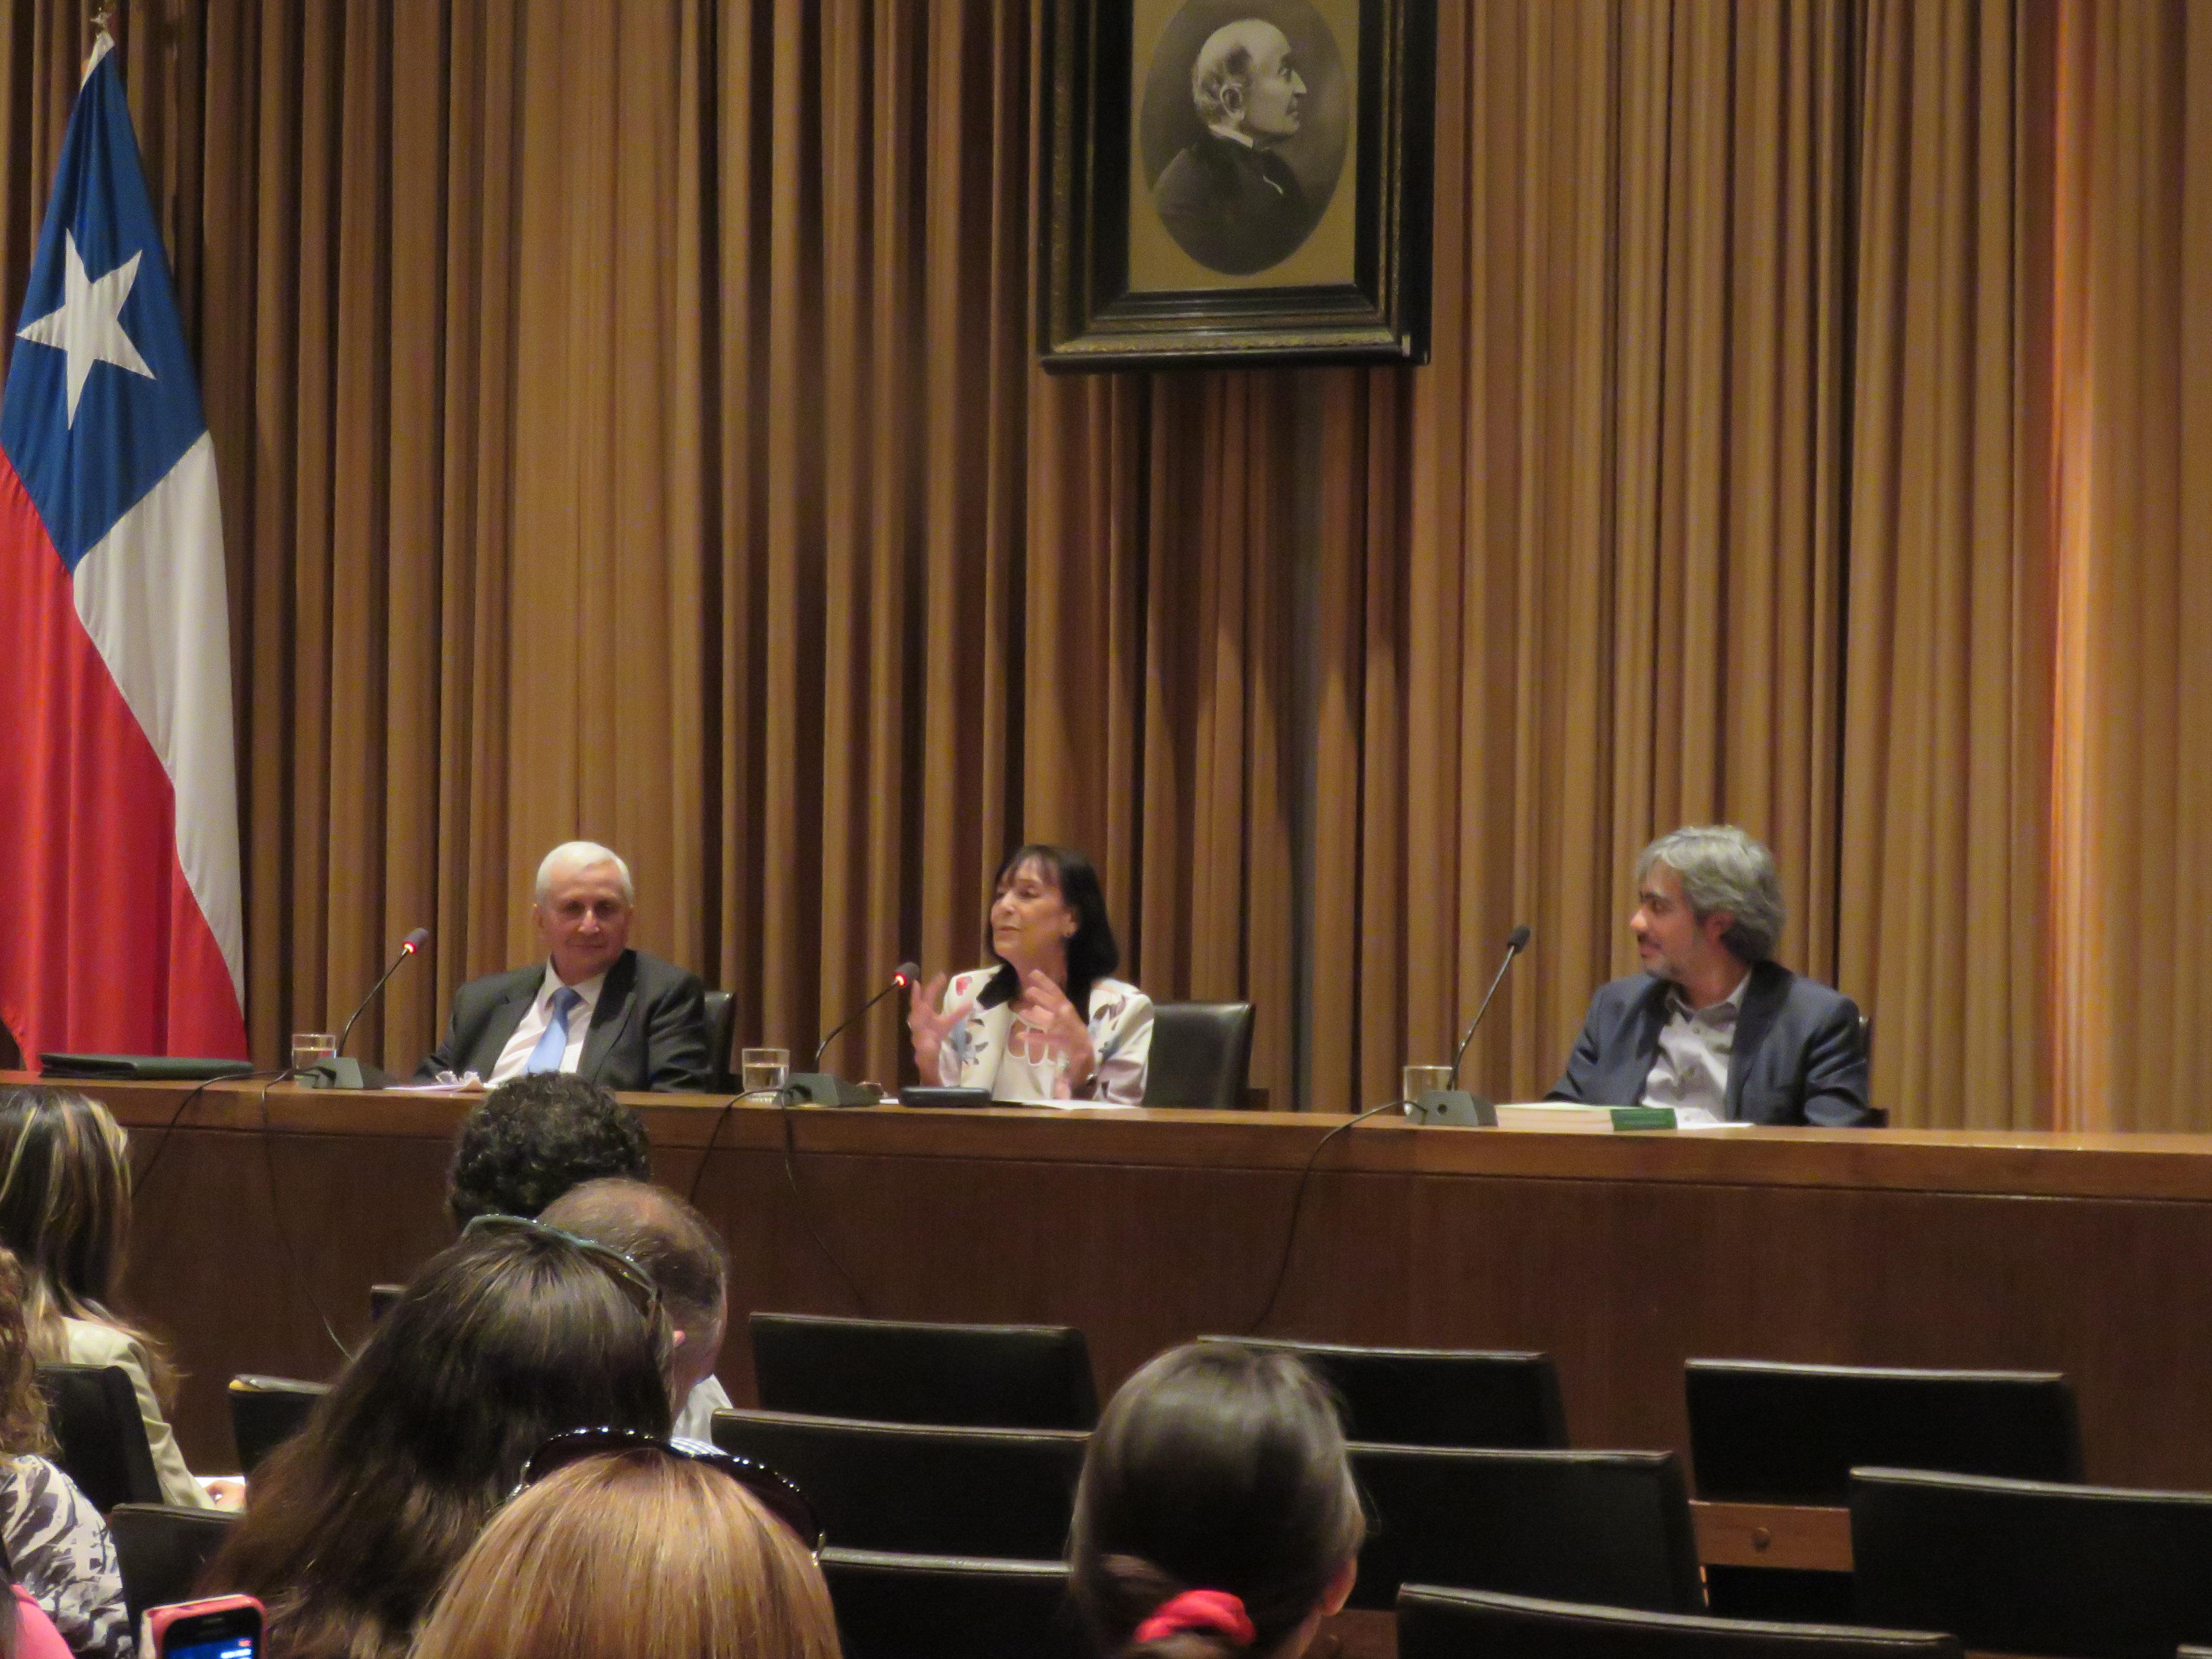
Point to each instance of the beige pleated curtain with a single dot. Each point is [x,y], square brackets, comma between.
[627,429]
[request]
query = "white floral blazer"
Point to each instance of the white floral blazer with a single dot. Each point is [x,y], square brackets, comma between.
[975,1054]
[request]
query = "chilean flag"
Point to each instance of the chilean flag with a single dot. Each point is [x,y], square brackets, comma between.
[123,928]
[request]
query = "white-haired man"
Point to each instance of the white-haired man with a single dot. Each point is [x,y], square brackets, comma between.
[595,1008]
[1714,1026]
[1232,203]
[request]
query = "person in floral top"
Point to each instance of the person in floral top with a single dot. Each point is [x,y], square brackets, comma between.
[1049,1024]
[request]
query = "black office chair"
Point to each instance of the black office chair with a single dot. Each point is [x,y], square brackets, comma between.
[1610,1527]
[1451,1624]
[947,1607]
[160,1550]
[2033,1567]
[1436,1396]
[381,1298]
[267,1411]
[898,1370]
[101,1439]
[721,1032]
[921,1490]
[1201,1056]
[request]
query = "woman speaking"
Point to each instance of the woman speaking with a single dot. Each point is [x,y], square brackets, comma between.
[1048,1025]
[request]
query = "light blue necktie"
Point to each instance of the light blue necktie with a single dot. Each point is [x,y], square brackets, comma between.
[546,1056]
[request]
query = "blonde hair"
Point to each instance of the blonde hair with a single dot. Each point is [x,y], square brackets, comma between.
[634,1555]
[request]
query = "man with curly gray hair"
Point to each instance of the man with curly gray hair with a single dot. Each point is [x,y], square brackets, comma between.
[1714,1026]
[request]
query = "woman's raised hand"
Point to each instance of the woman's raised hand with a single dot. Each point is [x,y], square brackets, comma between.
[1047,1012]
[929,1027]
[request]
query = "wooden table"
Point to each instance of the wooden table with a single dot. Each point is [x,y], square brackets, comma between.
[1620,1255]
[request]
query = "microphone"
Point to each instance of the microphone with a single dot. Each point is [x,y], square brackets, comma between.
[821,1088]
[1455,1104]
[338,1072]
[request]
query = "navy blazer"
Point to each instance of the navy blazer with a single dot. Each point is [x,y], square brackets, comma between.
[1800,1056]
[648,1028]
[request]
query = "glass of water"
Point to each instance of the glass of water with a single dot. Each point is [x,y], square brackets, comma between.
[763,1071]
[308,1047]
[1414,1081]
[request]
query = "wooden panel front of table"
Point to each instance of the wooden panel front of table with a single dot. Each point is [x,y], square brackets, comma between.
[1621,1255]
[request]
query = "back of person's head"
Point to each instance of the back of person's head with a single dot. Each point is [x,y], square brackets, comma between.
[664,1235]
[530,1140]
[64,1200]
[1215,1469]
[634,1555]
[512,1336]
[22,1406]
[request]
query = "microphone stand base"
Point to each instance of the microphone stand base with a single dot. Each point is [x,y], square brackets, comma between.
[344,1072]
[1456,1106]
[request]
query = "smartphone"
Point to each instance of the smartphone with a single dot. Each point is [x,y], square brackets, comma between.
[222,1627]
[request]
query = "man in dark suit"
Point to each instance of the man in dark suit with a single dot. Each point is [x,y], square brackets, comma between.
[1713,1026]
[595,1008]
[1229,201]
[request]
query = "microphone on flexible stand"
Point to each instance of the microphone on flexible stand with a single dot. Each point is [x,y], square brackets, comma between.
[340,1073]
[1455,1104]
[819,1088]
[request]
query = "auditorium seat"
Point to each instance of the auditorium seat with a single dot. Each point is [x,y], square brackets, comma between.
[381,1298]
[267,1411]
[100,1438]
[1610,1526]
[1201,1056]
[947,1607]
[1434,1623]
[921,1490]
[721,1032]
[1436,1396]
[160,1550]
[896,1371]
[2033,1567]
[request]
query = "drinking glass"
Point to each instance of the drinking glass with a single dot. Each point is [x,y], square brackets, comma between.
[308,1047]
[1414,1081]
[763,1071]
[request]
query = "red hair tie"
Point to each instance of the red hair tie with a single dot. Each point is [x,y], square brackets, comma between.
[1200,1609]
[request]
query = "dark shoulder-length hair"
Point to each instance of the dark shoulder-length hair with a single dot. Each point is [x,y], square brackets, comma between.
[505,1339]
[1215,1467]
[1092,954]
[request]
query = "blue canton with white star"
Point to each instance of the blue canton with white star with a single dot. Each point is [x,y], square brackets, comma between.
[129,430]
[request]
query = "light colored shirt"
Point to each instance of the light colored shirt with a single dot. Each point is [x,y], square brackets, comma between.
[1690,1071]
[989,1049]
[512,1058]
[696,1421]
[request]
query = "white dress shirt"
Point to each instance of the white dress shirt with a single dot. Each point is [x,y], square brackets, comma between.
[1690,1071]
[539,1016]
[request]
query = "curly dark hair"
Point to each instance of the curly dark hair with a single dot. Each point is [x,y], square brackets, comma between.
[531,1140]
[22,1406]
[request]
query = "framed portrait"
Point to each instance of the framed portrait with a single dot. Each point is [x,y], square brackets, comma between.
[1242,181]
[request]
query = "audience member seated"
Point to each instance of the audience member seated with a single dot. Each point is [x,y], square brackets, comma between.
[643,1553]
[63,1559]
[1047,1025]
[530,1140]
[1217,1516]
[512,1334]
[65,1212]
[595,1007]
[679,1251]
[35,1635]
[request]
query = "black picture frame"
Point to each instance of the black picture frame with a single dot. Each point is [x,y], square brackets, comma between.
[1088,316]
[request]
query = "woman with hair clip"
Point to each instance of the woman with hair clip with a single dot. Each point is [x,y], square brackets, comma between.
[517,1331]
[65,1212]
[68,1590]
[1217,1516]
[660,1550]
[1048,1025]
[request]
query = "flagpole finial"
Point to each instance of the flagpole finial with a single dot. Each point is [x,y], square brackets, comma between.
[101,15]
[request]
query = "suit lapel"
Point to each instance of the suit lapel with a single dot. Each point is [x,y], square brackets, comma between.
[612,1013]
[506,1013]
[1762,1000]
[1651,1017]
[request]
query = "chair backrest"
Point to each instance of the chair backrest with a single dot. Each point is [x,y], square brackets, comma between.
[267,1411]
[381,1298]
[1436,1396]
[1766,1433]
[100,1437]
[950,1606]
[1451,1624]
[2033,1567]
[1610,1527]
[896,1371]
[160,1550]
[921,1490]
[721,1032]
[1201,1056]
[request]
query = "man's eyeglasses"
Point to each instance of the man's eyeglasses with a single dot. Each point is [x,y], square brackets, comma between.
[637,1283]
[776,1494]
